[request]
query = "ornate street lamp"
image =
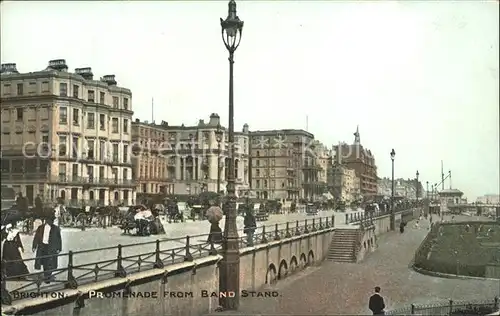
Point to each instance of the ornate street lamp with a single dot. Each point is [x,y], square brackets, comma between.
[218,138]
[416,186]
[393,219]
[229,270]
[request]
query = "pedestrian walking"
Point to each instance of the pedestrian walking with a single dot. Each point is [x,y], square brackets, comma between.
[376,303]
[250,224]
[47,244]
[11,253]
[402,227]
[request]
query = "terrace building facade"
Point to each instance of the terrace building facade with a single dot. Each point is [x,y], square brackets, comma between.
[183,159]
[66,135]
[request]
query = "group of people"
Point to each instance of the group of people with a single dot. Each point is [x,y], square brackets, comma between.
[144,220]
[47,244]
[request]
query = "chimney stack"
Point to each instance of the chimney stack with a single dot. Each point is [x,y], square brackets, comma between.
[10,67]
[109,79]
[58,64]
[86,73]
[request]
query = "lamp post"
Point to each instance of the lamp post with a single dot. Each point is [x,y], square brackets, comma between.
[218,137]
[393,219]
[229,270]
[416,186]
[427,189]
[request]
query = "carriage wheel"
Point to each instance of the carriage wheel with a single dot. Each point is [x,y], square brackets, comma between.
[67,219]
[81,220]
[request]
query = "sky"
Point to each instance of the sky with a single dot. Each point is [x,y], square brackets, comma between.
[417,76]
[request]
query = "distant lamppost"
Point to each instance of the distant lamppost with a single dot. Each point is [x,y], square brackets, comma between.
[416,186]
[218,137]
[427,189]
[393,219]
[229,270]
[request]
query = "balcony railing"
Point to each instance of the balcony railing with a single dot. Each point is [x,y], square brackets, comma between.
[25,176]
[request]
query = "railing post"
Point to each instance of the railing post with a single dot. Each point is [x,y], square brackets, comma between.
[287,234]
[350,218]
[306,230]
[333,221]
[320,223]
[314,226]
[6,297]
[188,256]
[263,239]
[71,282]
[327,225]
[158,262]
[347,218]
[297,230]
[413,309]
[120,271]
[496,303]
[450,310]
[276,232]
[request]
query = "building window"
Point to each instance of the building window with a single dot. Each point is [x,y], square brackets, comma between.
[257,163]
[74,149]
[90,120]
[102,122]
[90,149]
[62,171]
[257,184]
[125,103]
[63,115]
[63,89]
[102,97]
[115,102]
[257,173]
[62,145]
[45,86]
[102,150]
[20,89]
[265,184]
[125,175]
[76,117]
[125,126]
[6,89]
[115,153]
[125,153]
[90,96]
[258,153]
[101,173]
[114,125]
[32,87]
[19,113]
[76,90]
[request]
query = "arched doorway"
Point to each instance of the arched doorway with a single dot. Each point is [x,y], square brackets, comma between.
[91,195]
[116,196]
[63,194]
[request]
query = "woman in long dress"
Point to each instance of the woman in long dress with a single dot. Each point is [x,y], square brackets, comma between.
[11,254]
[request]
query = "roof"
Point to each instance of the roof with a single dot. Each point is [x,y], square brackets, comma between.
[451,192]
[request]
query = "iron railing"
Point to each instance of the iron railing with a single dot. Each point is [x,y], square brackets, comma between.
[478,307]
[365,216]
[121,260]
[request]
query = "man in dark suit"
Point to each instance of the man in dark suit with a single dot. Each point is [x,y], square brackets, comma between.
[376,304]
[47,244]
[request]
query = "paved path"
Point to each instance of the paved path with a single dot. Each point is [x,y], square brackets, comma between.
[344,288]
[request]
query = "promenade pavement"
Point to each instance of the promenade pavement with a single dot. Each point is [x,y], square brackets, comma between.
[344,288]
[76,240]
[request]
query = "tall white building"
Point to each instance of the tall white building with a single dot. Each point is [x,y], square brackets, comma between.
[66,135]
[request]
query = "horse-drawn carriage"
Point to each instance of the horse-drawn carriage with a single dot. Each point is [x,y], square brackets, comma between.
[261,213]
[311,209]
[100,216]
